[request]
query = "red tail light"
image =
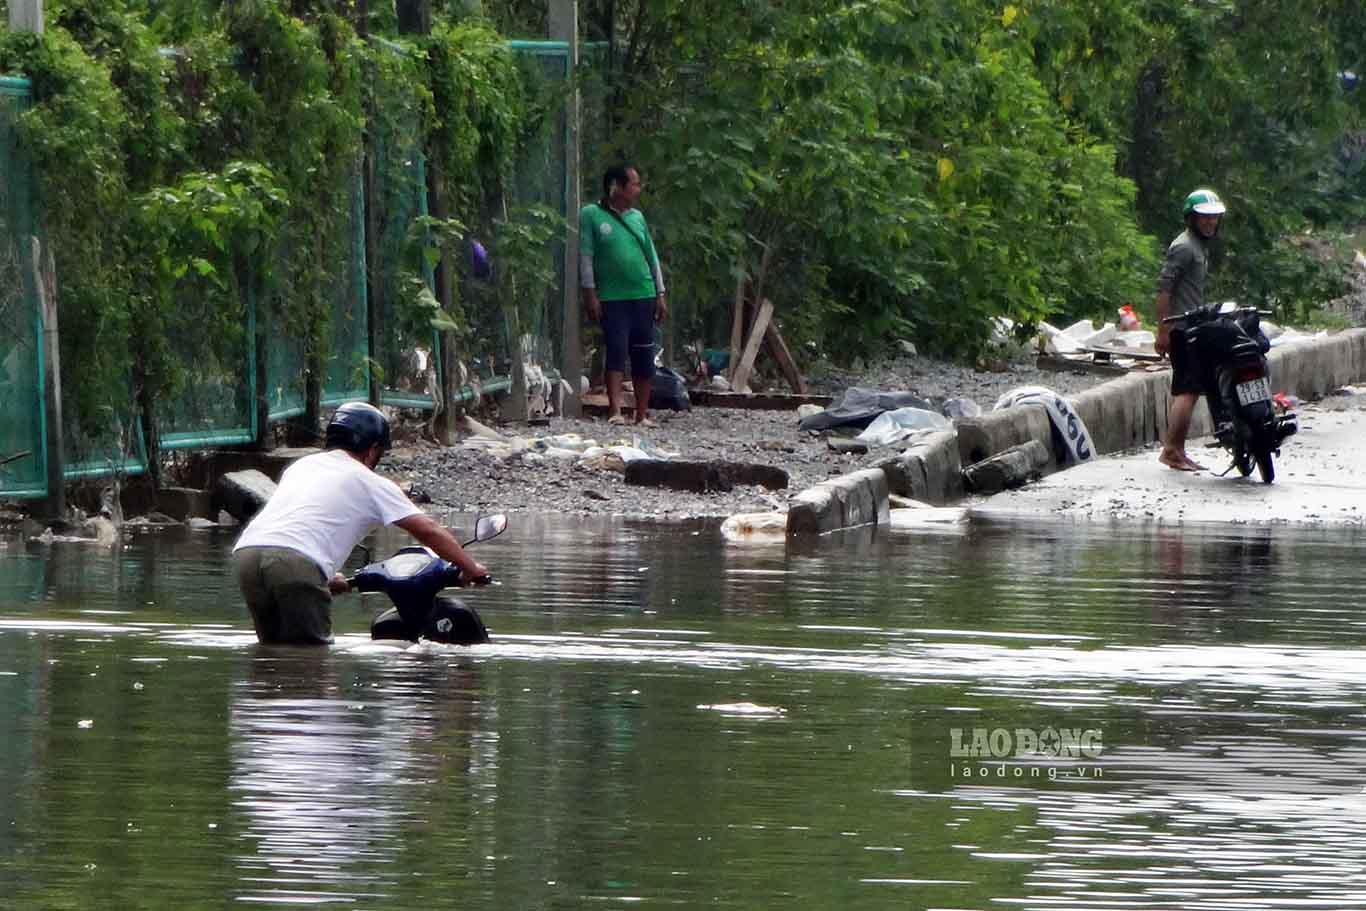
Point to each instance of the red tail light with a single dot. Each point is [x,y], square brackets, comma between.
[1248,372]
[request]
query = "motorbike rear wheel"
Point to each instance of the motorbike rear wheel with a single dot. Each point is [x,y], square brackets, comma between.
[1242,460]
[1265,467]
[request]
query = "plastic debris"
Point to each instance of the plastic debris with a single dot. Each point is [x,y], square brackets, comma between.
[894,426]
[961,408]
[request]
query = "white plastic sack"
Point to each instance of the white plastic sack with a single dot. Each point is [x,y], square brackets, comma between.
[610,458]
[1066,422]
[894,426]
[755,527]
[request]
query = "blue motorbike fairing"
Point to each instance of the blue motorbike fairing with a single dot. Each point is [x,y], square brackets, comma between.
[411,578]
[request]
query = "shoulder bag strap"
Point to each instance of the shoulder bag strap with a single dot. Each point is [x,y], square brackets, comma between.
[649,264]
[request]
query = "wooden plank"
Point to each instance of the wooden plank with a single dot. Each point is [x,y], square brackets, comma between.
[740,381]
[780,353]
[1056,364]
[1107,353]
[737,322]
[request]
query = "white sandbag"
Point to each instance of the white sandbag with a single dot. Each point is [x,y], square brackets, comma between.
[755,527]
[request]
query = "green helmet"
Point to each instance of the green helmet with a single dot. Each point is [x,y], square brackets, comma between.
[1203,202]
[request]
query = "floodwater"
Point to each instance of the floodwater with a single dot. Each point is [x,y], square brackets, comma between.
[1018,716]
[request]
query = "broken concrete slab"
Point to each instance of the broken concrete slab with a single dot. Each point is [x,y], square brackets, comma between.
[701,477]
[929,470]
[242,493]
[1010,469]
[850,500]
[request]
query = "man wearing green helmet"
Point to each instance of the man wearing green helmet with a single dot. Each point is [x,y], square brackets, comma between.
[1180,289]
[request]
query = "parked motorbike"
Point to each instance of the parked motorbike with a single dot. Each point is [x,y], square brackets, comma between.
[1229,344]
[413,579]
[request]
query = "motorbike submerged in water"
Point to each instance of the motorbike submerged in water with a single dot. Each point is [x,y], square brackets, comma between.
[1228,342]
[413,579]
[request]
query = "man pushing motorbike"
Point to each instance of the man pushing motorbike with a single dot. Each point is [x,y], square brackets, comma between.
[287,558]
[1181,289]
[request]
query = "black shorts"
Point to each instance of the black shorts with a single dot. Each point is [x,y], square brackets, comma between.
[1188,370]
[629,326]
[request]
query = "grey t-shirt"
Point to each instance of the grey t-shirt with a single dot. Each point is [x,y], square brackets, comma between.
[1183,272]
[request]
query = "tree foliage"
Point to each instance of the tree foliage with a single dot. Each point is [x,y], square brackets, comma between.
[880,169]
[913,167]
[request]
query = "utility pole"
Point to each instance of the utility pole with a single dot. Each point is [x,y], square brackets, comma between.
[26,16]
[564,26]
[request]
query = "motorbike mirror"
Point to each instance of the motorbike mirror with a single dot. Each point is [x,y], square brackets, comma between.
[490,526]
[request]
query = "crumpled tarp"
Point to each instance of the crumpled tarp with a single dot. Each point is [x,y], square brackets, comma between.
[857,407]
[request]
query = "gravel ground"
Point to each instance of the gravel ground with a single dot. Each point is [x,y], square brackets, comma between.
[479,482]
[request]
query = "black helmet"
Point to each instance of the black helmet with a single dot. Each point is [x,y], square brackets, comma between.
[357,426]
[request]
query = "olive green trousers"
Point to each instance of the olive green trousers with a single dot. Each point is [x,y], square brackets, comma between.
[286,594]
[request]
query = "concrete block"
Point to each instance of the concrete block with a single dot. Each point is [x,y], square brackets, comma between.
[930,470]
[242,493]
[205,468]
[996,431]
[1008,469]
[701,477]
[848,501]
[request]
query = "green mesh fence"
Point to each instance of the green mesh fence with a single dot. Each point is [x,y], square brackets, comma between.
[23,468]
[406,347]
[212,345]
[331,268]
[347,374]
[216,329]
[543,179]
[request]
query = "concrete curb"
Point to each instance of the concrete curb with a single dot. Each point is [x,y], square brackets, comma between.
[850,500]
[1125,413]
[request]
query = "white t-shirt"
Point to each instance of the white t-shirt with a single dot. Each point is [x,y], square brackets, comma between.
[325,504]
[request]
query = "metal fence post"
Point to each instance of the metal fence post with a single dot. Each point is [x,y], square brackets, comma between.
[45,286]
[564,26]
[26,15]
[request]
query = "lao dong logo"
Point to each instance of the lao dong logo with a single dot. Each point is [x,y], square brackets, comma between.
[1019,753]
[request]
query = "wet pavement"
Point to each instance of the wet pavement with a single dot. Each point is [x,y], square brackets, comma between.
[1320,481]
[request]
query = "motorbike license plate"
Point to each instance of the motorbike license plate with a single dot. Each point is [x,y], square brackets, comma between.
[1258,390]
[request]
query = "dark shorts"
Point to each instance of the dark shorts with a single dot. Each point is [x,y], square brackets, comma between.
[1187,368]
[629,327]
[286,594]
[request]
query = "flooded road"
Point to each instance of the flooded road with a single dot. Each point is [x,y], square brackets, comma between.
[1034,716]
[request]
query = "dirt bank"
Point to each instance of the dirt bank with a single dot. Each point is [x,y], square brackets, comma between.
[471,481]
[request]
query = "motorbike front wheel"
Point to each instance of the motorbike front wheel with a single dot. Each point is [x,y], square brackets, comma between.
[1265,467]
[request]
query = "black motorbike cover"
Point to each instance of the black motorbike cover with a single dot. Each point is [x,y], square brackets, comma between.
[450,622]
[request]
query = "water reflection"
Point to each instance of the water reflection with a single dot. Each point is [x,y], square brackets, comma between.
[333,766]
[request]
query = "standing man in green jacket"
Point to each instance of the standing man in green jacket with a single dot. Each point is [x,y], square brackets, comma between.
[623,287]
